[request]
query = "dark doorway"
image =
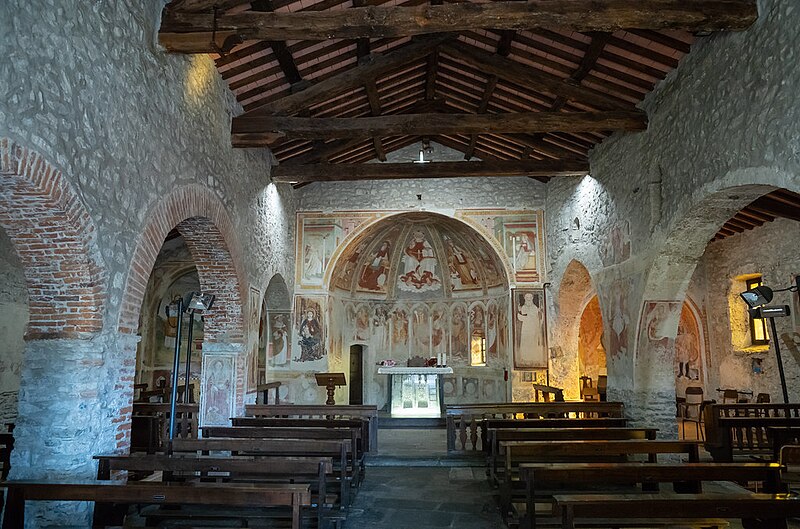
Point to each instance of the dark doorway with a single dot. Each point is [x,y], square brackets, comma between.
[356,383]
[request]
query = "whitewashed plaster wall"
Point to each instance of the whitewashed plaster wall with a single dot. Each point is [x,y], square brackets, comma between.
[85,85]
[728,116]
[14,311]
[772,251]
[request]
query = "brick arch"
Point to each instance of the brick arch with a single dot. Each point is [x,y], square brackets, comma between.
[209,234]
[54,237]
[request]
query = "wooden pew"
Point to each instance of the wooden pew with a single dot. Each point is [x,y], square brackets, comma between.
[315,471]
[465,418]
[368,412]
[339,449]
[352,434]
[293,496]
[488,425]
[767,511]
[543,479]
[734,430]
[281,422]
[185,421]
[518,452]
[498,435]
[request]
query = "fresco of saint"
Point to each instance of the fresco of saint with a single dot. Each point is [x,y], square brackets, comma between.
[373,276]
[419,266]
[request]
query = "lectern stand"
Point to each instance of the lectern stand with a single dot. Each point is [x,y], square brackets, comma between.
[329,381]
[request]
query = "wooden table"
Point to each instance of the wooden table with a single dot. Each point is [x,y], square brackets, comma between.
[229,495]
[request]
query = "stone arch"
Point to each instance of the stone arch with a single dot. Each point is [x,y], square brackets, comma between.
[575,291]
[55,239]
[210,236]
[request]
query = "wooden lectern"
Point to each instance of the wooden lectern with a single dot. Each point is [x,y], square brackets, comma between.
[329,381]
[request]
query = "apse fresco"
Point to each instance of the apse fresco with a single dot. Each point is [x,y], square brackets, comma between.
[519,233]
[418,255]
[279,346]
[657,330]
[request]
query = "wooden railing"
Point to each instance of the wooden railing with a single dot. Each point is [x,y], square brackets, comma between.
[466,421]
[186,420]
[366,412]
[746,429]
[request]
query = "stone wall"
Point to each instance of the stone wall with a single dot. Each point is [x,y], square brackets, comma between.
[86,86]
[14,310]
[771,251]
[724,127]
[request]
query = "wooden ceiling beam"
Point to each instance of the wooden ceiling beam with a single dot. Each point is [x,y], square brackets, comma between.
[770,206]
[394,171]
[352,78]
[251,131]
[531,78]
[180,26]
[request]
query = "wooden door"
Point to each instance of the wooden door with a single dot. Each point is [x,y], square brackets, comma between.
[356,379]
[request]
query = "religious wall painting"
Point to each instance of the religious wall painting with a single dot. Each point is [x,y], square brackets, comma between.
[616,299]
[375,271]
[421,331]
[381,328]
[309,328]
[656,339]
[688,349]
[418,265]
[279,345]
[254,325]
[470,387]
[520,233]
[461,266]
[400,331]
[502,325]
[591,352]
[440,326]
[344,279]
[166,327]
[529,326]
[459,334]
[491,268]
[219,382]
[616,247]
[492,345]
[349,328]
[489,390]
[362,323]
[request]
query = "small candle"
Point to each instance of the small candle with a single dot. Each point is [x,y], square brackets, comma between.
[444,359]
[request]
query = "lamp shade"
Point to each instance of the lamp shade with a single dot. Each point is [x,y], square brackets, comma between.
[757,296]
[198,302]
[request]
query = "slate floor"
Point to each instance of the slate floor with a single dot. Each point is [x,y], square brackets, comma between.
[421,488]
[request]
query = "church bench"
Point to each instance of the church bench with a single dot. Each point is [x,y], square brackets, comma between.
[340,450]
[543,479]
[498,435]
[353,435]
[110,495]
[341,411]
[756,511]
[186,417]
[735,430]
[615,451]
[466,421]
[487,425]
[283,422]
[316,471]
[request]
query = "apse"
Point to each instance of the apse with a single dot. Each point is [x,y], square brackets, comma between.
[423,285]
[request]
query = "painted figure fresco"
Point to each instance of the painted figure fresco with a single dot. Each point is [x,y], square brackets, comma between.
[529,329]
[439,325]
[419,265]
[380,327]
[362,323]
[616,248]
[459,333]
[688,349]
[462,271]
[421,331]
[373,276]
[279,346]
[344,280]
[310,329]
[400,332]
[618,340]
[218,384]
[657,330]
[491,329]
[591,352]
[254,323]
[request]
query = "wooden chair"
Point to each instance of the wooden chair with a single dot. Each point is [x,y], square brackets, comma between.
[730,396]
[693,410]
[762,398]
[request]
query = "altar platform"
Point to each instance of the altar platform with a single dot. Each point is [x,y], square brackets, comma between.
[416,392]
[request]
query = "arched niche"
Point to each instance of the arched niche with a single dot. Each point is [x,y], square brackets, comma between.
[422,284]
[275,333]
[591,351]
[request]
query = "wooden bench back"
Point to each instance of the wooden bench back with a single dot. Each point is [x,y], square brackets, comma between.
[464,418]
[368,412]
[282,422]
[284,447]
[744,429]
[526,451]
[186,419]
